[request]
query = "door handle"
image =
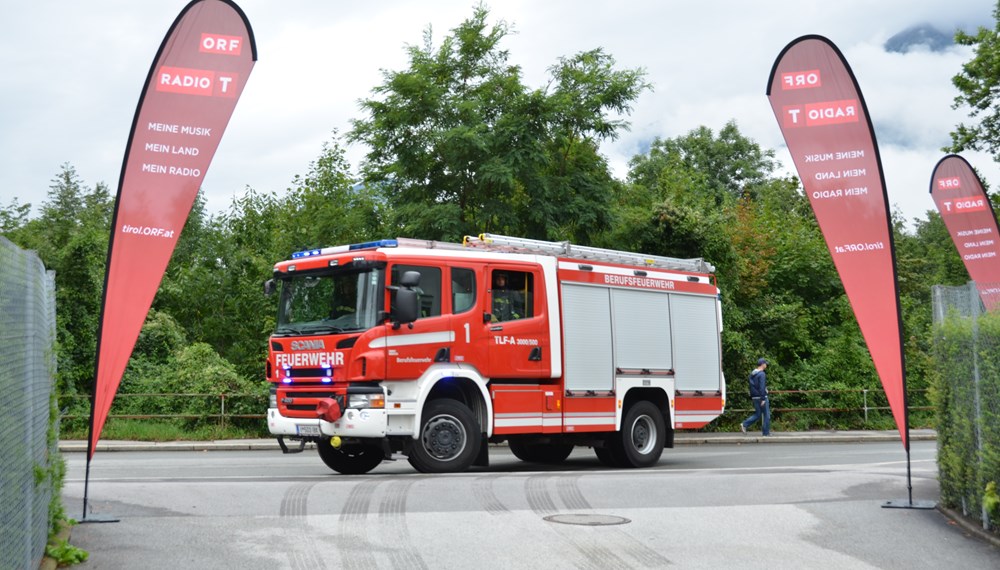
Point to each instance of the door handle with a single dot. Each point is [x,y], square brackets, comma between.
[536,354]
[443,354]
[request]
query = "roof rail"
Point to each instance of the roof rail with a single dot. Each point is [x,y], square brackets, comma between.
[496,242]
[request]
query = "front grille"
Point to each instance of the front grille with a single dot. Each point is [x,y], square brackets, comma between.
[308,372]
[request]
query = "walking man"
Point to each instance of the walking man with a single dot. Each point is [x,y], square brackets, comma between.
[758,395]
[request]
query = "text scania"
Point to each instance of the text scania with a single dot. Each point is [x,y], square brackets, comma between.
[638,281]
[308,359]
[147,231]
[822,113]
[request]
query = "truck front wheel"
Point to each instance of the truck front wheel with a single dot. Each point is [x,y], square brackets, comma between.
[641,439]
[449,438]
[353,459]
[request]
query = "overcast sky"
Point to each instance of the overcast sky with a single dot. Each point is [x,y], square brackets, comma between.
[73,71]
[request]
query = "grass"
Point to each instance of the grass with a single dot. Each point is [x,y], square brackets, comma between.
[162,430]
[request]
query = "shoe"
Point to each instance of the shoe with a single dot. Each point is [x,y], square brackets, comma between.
[743,428]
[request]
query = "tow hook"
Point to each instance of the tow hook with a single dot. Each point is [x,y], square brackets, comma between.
[328,409]
[335,442]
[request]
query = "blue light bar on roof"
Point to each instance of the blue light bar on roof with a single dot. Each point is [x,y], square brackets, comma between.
[374,244]
[343,248]
[306,253]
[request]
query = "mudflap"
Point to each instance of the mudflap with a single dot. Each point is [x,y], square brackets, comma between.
[286,449]
[483,459]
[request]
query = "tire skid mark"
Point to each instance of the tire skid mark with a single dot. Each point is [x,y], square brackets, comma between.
[394,533]
[618,549]
[294,506]
[536,491]
[482,489]
[352,539]
[569,493]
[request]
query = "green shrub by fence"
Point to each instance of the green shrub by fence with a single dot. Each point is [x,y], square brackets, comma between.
[966,395]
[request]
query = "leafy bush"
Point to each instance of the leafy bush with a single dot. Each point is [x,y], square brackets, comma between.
[966,395]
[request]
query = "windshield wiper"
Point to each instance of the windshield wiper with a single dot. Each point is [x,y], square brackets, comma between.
[320,328]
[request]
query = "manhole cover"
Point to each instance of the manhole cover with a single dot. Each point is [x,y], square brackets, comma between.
[588,520]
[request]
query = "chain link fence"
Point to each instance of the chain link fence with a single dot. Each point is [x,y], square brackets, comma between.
[28,450]
[967,398]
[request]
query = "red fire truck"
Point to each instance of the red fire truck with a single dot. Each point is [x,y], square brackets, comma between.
[434,350]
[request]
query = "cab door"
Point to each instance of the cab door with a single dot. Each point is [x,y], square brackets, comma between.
[515,320]
[411,350]
[467,296]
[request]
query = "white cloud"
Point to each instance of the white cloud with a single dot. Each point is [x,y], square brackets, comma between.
[73,72]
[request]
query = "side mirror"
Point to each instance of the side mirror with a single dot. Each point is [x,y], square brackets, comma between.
[269,287]
[406,307]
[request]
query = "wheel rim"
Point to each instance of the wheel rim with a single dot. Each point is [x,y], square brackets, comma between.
[444,437]
[644,434]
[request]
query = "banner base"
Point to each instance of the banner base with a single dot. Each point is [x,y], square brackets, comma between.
[98,519]
[908,504]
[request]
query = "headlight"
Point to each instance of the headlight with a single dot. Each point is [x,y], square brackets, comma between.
[365,401]
[272,400]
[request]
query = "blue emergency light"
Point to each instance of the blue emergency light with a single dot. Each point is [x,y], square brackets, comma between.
[343,248]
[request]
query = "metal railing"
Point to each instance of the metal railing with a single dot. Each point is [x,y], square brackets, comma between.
[870,401]
[222,414]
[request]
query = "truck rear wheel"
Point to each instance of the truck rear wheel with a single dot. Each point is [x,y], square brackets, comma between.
[354,459]
[640,441]
[549,453]
[449,438]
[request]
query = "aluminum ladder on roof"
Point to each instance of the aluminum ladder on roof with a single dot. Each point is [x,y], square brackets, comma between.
[566,249]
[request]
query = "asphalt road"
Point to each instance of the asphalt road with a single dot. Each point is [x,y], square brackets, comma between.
[795,505]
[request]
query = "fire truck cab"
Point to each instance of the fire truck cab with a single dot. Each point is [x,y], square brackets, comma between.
[434,350]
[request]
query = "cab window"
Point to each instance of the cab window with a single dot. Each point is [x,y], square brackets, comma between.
[463,289]
[428,291]
[512,293]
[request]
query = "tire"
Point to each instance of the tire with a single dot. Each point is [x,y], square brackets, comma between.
[641,439]
[449,439]
[547,453]
[354,459]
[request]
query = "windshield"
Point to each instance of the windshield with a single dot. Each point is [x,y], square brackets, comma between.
[345,301]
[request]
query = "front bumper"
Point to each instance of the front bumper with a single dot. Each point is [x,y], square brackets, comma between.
[353,423]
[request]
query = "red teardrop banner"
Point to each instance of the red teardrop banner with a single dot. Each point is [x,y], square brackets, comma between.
[189,96]
[968,215]
[824,120]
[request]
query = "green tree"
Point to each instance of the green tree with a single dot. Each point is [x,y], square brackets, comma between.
[978,84]
[459,145]
[71,237]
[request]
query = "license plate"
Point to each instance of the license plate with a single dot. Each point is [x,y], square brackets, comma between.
[308,430]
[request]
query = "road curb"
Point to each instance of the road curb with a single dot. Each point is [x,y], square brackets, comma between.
[78,446]
[969,525]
